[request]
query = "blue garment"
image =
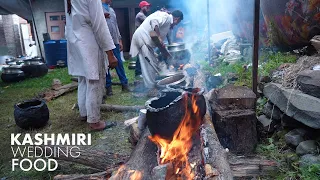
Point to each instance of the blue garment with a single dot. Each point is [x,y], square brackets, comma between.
[106,6]
[120,69]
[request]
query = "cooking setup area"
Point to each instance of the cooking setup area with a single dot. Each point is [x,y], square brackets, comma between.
[189,133]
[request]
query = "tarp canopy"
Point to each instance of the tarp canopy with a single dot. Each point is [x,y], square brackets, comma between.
[18,7]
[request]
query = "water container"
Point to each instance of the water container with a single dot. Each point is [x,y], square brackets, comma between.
[55,50]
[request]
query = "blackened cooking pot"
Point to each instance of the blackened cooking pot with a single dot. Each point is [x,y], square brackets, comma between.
[34,67]
[12,73]
[165,113]
[31,114]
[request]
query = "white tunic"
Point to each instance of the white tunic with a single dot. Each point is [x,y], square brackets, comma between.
[88,38]
[142,35]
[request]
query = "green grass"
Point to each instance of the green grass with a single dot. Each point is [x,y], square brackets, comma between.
[62,120]
[268,62]
[275,148]
[274,60]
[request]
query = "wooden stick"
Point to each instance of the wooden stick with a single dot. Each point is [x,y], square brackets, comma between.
[117,108]
[101,175]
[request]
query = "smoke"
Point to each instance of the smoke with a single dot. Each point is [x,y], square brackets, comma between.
[225,15]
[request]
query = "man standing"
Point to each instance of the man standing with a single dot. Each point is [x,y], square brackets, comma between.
[142,44]
[140,17]
[111,19]
[89,41]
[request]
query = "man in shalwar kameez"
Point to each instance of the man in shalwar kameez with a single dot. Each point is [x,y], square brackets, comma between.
[142,44]
[89,41]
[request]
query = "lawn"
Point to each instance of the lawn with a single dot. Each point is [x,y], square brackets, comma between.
[62,120]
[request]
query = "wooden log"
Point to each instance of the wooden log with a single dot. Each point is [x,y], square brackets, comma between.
[101,175]
[129,122]
[213,153]
[252,166]
[142,160]
[134,134]
[118,108]
[58,91]
[96,159]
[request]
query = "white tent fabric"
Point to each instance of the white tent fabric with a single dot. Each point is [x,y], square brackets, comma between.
[18,7]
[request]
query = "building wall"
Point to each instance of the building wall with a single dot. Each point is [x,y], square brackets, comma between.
[10,41]
[40,7]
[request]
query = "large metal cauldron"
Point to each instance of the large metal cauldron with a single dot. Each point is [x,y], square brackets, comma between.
[175,79]
[291,23]
[165,113]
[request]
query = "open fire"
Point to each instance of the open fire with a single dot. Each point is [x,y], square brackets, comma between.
[176,151]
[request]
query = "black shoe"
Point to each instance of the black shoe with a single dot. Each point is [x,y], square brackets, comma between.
[125,88]
[109,91]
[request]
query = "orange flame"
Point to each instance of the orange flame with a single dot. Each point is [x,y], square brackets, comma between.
[137,175]
[176,151]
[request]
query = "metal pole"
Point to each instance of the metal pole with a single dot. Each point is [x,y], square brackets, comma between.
[35,27]
[209,43]
[255,59]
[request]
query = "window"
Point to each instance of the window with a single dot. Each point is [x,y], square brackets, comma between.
[63,17]
[54,18]
[55,29]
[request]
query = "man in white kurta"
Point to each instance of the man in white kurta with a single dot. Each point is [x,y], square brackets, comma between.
[88,41]
[142,44]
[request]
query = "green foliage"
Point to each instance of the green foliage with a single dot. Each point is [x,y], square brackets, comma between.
[310,173]
[275,148]
[271,62]
[260,103]
[274,60]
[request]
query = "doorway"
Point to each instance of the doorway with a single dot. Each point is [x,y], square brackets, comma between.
[124,28]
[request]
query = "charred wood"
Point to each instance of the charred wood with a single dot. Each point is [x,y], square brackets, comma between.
[141,162]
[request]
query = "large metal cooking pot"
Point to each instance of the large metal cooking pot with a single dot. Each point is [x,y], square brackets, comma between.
[13,69]
[34,61]
[176,47]
[163,75]
[12,73]
[178,79]
[34,67]
[10,61]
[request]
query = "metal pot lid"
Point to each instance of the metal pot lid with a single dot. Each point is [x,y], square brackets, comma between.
[176,44]
[13,67]
[172,80]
